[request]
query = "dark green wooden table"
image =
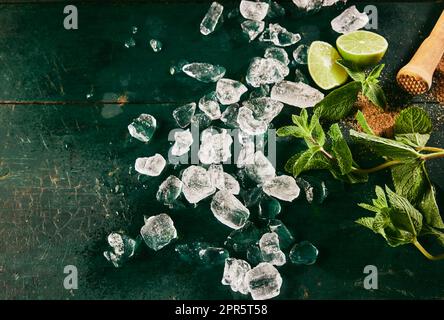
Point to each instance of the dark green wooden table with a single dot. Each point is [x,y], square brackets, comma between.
[70,182]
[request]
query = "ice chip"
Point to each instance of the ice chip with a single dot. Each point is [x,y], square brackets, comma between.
[196,184]
[158,231]
[286,238]
[183,114]
[151,166]
[350,20]
[155,45]
[271,252]
[300,77]
[216,173]
[241,239]
[277,53]
[229,116]
[229,91]
[201,121]
[248,124]
[209,105]
[266,71]
[143,127]
[123,248]
[231,184]
[282,187]
[212,18]
[264,281]
[229,210]
[169,190]
[202,253]
[303,253]
[253,10]
[315,190]
[300,54]
[130,43]
[252,28]
[308,5]
[296,94]
[279,36]
[215,146]
[269,208]
[234,274]
[183,141]
[260,92]
[264,108]
[204,72]
[261,170]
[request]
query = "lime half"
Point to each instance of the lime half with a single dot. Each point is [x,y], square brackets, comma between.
[322,65]
[363,48]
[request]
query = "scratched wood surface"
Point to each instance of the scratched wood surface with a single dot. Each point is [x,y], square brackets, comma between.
[68,159]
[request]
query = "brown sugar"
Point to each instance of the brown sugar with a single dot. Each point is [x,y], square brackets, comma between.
[379,120]
[438,83]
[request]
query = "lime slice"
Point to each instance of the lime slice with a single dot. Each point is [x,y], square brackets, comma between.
[322,65]
[363,48]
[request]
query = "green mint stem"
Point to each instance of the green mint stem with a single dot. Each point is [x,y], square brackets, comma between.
[431,149]
[378,168]
[435,155]
[426,253]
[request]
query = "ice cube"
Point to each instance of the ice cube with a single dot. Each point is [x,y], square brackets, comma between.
[123,248]
[261,170]
[246,155]
[264,109]
[200,120]
[300,54]
[266,71]
[156,45]
[183,114]
[269,208]
[239,240]
[308,5]
[328,3]
[158,231]
[229,116]
[229,210]
[229,91]
[254,254]
[262,91]
[315,190]
[277,53]
[269,245]
[216,172]
[143,127]
[151,166]
[286,238]
[252,28]
[282,187]
[350,20]
[215,146]
[183,141]
[130,43]
[196,184]
[169,190]
[248,124]
[234,274]
[204,72]
[253,10]
[211,19]
[231,184]
[300,77]
[303,253]
[202,253]
[264,281]
[275,10]
[209,105]
[279,36]
[296,94]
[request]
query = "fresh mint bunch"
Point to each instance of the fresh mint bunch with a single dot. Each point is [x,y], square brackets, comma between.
[340,102]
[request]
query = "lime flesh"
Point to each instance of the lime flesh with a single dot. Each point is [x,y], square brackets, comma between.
[322,65]
[363,48]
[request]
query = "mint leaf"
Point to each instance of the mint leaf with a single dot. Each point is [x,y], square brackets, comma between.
[316,131]
[340,149]
[366,222]
[413,120]
[290,131]
[339,103]
[374,93]
[375,73]
[404,215]
[311,159]
[414,140]
[351,70]
[386,147]
[363,123]
[411,181]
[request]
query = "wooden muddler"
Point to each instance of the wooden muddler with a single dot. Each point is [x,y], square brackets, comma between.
[416,76]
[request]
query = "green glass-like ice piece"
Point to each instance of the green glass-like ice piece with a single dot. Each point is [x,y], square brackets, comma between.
[143,127]
[269,208]
[123,248]
[184,114]
[204,72]
[156,45]
[304,253]
[239,240]
[202,253]
[286,239]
